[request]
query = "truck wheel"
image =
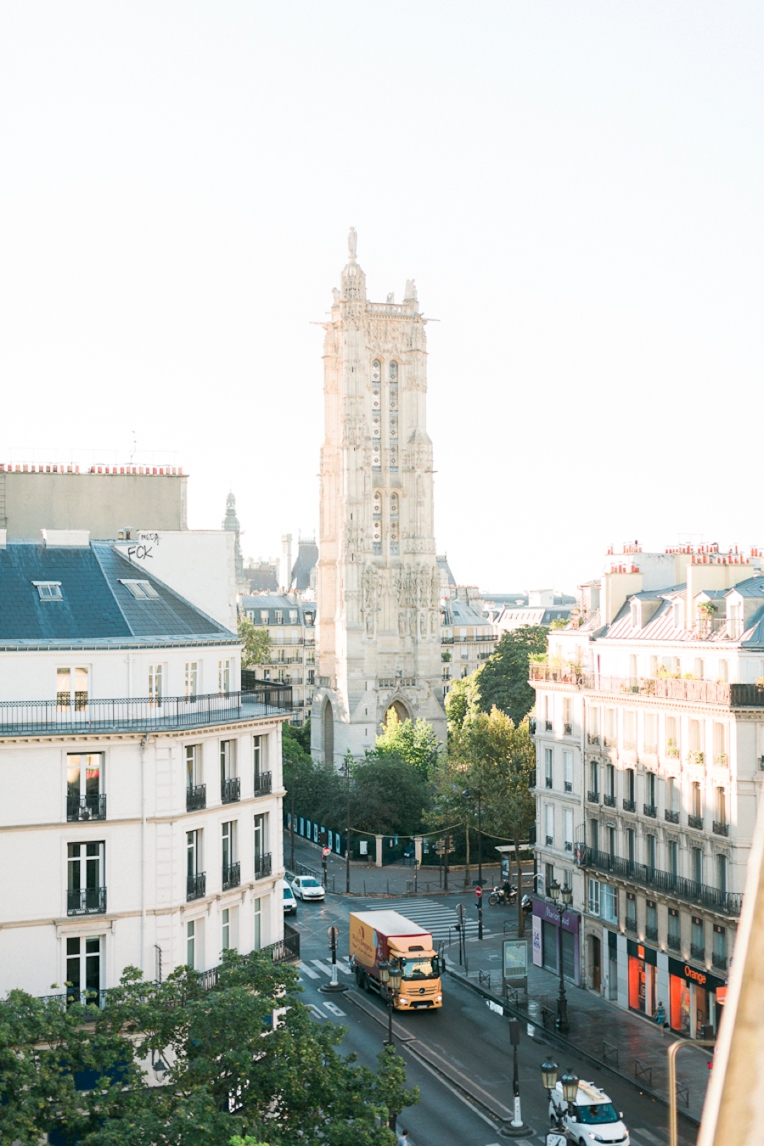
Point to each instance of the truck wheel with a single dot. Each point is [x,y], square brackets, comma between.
[493,900]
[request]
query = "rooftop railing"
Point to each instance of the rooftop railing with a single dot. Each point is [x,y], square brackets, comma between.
[664,881]
[661,688]
[138,714]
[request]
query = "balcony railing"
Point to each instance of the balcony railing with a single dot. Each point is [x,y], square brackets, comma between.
[719,961]
[231,876]
[548,781]
[629,805]
[662,688]
[230,790]
[592,738]
[567,729]
[263,784]
[651,810]
[695,822]
[720,829]
[85,808]
[697,951]
[568,785]
[263,866]
[671,817]
[561,674]
[549,841]
[651,933]
[196,885]
[631,925]
[547,726]
[593,797]
[608,801]
[138,714]
[673,942]
[664,881]
[196,797]
[88,901]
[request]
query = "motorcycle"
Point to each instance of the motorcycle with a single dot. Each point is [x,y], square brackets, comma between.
[500,896]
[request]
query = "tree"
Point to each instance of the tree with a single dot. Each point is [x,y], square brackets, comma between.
[451,800]
[412,741]
[229,1073]
[257,643]
[504,676]
[389,795]
[463,701]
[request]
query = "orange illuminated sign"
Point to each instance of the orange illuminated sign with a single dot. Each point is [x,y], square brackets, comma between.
[721,994]
[691,973]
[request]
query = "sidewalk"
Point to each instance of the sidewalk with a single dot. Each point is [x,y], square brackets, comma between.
[595,1025]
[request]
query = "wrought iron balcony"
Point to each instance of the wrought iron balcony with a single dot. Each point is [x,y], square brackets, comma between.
[568,785]
[629,805]
[697,951]
[695,822]
[671,817]
[196,885]
[87,901]
[85,808]
[142,714]
[673,942]
[567,729]
[263,866]
[549,841]
[547,726]
[608,801]
[196,797]
[263,783]
[674,885]
[548,781]
[720,829]
[592,738]
[631,925]
[593,797]
[230,790]
[651,933]
[568,845]
[231,876]
[651,810]
[719,961]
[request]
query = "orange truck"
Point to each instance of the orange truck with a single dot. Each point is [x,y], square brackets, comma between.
[387,937]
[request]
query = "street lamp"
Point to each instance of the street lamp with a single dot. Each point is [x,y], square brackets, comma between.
[562,898]
[569,1083]
[390,977]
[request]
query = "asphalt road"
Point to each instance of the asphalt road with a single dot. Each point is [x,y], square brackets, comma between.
[464,1040]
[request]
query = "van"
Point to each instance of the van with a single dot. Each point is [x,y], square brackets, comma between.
[591,1118]
[290,903]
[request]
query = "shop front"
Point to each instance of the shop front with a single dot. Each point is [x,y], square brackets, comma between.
[548,938]
[642,978]
[694,1010]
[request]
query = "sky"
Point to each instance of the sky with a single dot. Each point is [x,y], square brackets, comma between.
[576,187]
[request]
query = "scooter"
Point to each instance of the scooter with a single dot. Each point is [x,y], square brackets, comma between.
[500,896]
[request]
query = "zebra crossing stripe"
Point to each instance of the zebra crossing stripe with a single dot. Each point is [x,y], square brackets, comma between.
[440,921]
[307,971]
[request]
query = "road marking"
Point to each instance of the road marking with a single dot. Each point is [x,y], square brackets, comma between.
[439,920]
[335,1010]
[457,1093]
[307,971]
[317,1014]
[648,1134]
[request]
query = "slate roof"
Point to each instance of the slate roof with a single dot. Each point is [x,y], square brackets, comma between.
[95,606]
[270,602]
[307,558]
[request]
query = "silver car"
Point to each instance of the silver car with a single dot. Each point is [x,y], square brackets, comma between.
[307,887]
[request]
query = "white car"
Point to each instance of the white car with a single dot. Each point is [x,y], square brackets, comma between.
[591,1118]
[290,903]
[307,887]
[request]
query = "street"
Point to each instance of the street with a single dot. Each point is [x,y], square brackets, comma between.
[465,1041]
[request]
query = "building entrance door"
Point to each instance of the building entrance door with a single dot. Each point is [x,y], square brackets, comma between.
[596,957]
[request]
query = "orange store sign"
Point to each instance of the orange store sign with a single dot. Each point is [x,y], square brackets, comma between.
[697,976]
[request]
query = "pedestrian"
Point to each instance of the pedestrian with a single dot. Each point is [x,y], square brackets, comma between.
[403,1138]
[660,1018]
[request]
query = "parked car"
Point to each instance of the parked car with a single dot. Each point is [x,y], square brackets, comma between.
[307,887]
[591,1118]
[290,903]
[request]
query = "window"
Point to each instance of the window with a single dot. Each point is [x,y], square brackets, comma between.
[630,787]
[311,676]
[698,942]
[225,673]
[279,617]
[191,943]
[651,733]
[631,845]
[672,796]
[698,669]
[594,725]
[594,897]
[672,736]
[262,858]
[674,939]
[83,968]
[720,743]
[697,865]
[309,619]
[548,765]
[263,616]
[568,817]
[84,787]
[609,903]
[721,872]
[225,940]
[156,690]
[630,729]
[650,851]
[258,936]
[49,590]
[230,788]
[631,911]
[696,797]
[567,716]
[192,676]
[549,821]
[567,765]
[86,893]
[230,876]
[651,920]
[594,774]
[292,616]
[673,858]
[259,745]
[141,590]
[611,841]
[196,879]
[724,671]
[650,789]
[610,781]
[610,726]
[678,614]
[192,764]
[71,689]
[594,835]
[721,809]
[720,946]
[696,743]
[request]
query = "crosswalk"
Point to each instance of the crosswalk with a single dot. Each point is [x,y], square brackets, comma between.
[440,921]
[325,966]
[646,1138]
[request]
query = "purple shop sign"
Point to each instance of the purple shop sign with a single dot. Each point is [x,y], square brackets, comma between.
[570,919]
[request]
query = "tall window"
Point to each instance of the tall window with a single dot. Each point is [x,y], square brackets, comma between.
[71,688]
[192,765]
[721,808]
[720,946]
[548,774]
[631,911]
[721,872]
[193,853]
[567,764]
[651,733]
[672,736]
[594,835]
[262,858]
[609,903]
[720,743]
[84,786]
[192,676]
[696,796]
[697,865]
[230,864]
[225,673]
[83,968]
[225,918]
[191,943]
[156,684]
[258,936]
[630,787]
[568,830]
[631,845]
[698,941]
[696,742]
[650,851]
[651,920]
[673,929]
[392,395]
[594,897]
[549,814]
[85,882]
[594,774]
[630,729]
[673,857]
[650,789]
[230,785]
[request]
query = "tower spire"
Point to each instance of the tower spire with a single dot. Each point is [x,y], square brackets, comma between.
[353,278]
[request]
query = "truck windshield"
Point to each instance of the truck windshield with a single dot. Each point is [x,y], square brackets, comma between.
[596,1115]
[420,968]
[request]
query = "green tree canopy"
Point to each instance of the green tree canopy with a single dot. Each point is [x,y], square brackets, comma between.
[463,701]
[412,741]
[257,643]
[229,1073]
[503,679]
[388,795]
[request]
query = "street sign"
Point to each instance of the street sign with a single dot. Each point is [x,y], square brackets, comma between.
[515,963]
[478,892]
[333,933]
[326,851]
[555,1138]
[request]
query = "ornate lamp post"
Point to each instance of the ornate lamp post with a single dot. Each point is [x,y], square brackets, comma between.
[569,1081]
[562,898]
[390,977]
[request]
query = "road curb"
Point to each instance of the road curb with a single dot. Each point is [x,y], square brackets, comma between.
[558,1040]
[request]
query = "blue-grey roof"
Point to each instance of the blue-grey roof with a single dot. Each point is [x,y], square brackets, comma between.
[752,587]
[95,606]
[271,602]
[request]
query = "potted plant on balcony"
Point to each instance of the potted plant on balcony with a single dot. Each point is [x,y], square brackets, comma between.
[672,749]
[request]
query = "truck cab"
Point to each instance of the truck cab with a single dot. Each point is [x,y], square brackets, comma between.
[388,937]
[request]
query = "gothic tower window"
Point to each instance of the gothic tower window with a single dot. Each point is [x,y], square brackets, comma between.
[376,525]
[393,415]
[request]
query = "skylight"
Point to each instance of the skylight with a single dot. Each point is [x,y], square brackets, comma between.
[141,590]
[49,590]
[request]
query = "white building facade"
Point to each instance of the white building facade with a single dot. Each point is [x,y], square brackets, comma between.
[291,625]
[378,583]
[650,741]
[141,812]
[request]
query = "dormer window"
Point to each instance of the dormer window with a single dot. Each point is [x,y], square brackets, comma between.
[49,590]
[141,590]
[678,614]
[636,619]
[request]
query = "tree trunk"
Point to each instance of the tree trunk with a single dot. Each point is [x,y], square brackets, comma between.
[467,864]
[520,918]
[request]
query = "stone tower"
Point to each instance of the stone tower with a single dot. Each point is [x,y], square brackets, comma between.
[378,584]
[232,524]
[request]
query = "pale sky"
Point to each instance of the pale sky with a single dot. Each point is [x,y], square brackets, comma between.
[577,189]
